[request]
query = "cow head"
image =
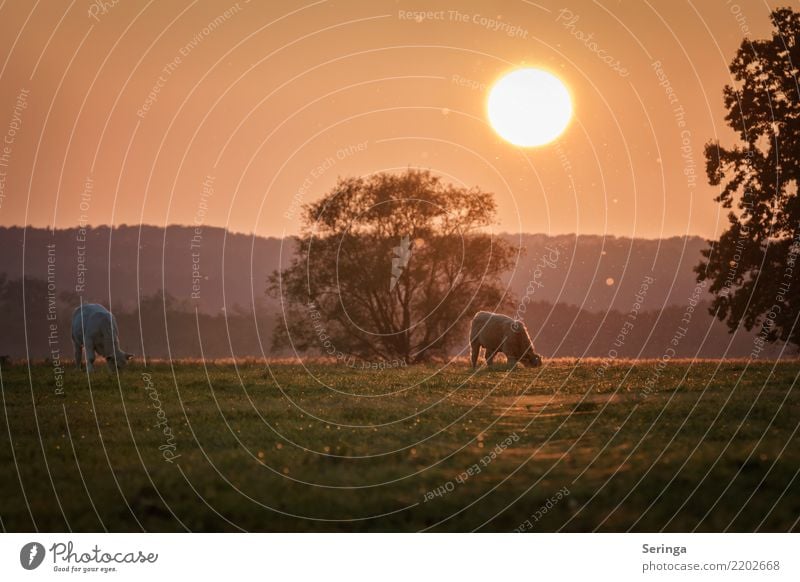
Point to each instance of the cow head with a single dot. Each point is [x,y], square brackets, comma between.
[523,347]
[120,360]
[532,359]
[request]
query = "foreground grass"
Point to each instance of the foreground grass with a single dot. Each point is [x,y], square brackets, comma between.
[705,446]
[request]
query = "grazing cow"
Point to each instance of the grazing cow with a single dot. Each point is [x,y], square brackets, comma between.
[95,330]
[500,333]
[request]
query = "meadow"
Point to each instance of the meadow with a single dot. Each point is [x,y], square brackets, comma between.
[571,446]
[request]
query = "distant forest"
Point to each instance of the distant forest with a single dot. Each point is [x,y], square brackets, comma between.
[177,299]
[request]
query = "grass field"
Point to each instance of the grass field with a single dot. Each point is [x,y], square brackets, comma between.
[571,446]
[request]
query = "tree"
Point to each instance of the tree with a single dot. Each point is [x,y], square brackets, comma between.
[390,267]
[753,270]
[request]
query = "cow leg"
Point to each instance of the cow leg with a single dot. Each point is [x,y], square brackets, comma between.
[89,349]
[490,355]
[511,361]
[78,354]
[476,350]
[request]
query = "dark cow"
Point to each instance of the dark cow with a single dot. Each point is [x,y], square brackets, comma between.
[500,333]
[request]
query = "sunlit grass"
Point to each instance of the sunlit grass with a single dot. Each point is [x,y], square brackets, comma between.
[315,446]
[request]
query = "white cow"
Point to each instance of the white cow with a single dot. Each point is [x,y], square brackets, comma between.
[95,329]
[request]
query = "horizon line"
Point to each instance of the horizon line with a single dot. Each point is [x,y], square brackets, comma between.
[253,234]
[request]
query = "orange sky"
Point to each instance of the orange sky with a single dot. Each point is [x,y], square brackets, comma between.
[260,105]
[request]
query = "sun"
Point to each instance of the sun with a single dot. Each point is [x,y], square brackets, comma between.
[529,107]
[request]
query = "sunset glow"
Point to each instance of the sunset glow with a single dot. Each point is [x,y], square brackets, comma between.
[529,107]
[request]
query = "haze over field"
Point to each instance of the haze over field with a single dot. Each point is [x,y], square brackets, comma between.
[581,288]
[593,272]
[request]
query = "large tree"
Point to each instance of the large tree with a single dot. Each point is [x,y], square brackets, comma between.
[390,267]
[754,269]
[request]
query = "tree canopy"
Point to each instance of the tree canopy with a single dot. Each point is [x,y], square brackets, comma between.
[752,269]
[390,267]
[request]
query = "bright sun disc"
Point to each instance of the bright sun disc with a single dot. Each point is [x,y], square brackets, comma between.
[529,107]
